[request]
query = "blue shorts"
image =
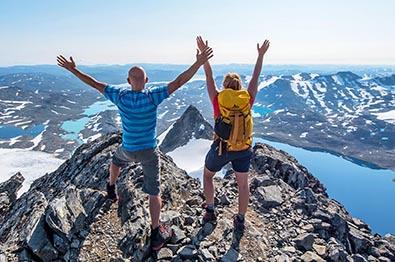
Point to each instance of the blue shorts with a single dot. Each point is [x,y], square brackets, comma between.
[240,159]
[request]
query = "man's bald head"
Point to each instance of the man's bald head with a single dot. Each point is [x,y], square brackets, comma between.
[137,78]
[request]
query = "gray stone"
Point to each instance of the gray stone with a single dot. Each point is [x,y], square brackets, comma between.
[224,200]
[165,253]
[206,255]
[60,243]
[231,256]
[358,258]
[320,249]
[269,196]
[359,241]
[188,252]
[189,220]
[336,254]
[8,193]
[311,257]
[289,249]
[304,241]
[384,259]
[178,235]
[66,215]
[39,244]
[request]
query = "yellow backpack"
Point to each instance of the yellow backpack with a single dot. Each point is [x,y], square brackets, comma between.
[234,125]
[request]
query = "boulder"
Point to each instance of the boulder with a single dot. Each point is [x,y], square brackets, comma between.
[311,257]
[359,241]
[269,196]
[304,241]
[8,193]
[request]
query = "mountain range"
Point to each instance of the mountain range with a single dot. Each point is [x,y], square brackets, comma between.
[342,113]
[65,216]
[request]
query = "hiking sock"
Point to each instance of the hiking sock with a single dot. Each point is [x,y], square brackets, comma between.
[210,208]
[241,217]
[155,231]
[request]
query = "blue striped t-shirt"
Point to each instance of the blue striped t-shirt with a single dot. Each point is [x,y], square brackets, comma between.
[138,111]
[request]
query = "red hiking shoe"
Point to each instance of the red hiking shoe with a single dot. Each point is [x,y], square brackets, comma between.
[160,236]
[209,215]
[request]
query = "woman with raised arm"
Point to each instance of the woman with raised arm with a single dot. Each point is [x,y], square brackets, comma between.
[233,133]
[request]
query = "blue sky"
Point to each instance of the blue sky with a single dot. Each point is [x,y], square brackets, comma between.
[129,31]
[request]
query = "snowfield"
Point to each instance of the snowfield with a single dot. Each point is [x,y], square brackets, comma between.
[388,116]
[31,164]
[191,156]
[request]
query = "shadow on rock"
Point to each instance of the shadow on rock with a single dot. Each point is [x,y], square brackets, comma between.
[202,233]
[232,254]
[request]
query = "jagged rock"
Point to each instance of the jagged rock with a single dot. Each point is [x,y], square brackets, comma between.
[231,256]
[282,258]
[305,241]
[359,242]
[320,250]
[12,186]
[205,255]
[190,125]
[261,180]
[224,200]
[269,196]
[39,243]
[178,235]
[165,253]
[8,193]
[337,254]
[358,258]
[188,252]
[287,168]
[65,215]
[311,257]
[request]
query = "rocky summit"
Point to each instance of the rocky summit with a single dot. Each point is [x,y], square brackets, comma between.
[191,125]
[65,215]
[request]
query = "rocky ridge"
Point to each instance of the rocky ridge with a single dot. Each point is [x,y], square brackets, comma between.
[66,217]
[191,125]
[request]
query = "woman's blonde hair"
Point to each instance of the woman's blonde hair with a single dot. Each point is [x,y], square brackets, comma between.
[232,80]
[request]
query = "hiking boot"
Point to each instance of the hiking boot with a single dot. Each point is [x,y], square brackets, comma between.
[209,215]
[112,192]
[238,223]
[160,236]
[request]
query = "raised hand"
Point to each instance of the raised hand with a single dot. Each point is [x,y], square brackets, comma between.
[263,48]
[201,44]
[203,56]
[63,62]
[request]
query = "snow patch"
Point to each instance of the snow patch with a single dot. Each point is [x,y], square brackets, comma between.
[31,164]
[267,82]
[191,156]
[388,116]
[303,135]
[162,136]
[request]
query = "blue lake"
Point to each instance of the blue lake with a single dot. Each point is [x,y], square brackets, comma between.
[74,127]
[8,131]
[367,193]
[261,110]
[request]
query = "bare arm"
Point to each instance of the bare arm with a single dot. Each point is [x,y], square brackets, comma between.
[201,58]
[87,79]
[253,85]
[211,87]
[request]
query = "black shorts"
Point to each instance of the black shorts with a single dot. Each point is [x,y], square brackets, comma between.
[240,159]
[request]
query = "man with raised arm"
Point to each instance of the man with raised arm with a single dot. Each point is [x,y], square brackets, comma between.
[138,110]
[233,133]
